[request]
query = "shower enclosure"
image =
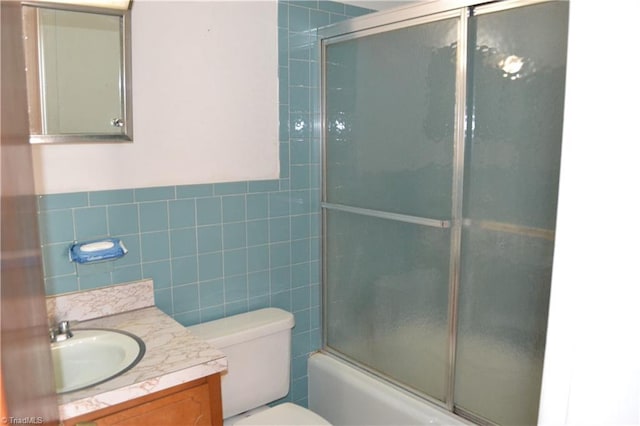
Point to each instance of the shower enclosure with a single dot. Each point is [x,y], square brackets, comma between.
[442,128]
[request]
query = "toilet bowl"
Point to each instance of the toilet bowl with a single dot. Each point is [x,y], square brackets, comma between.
[286,414]
[258,349]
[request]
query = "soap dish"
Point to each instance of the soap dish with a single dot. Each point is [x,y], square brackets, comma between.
[96,251]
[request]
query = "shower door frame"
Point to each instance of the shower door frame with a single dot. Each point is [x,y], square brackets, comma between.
[381,23]
[378,23]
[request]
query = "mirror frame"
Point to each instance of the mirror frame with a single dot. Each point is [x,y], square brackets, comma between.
[31,41]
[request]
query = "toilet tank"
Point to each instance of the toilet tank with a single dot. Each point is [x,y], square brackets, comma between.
[258,349]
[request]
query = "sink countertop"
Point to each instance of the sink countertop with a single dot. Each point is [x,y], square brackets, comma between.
[173,356]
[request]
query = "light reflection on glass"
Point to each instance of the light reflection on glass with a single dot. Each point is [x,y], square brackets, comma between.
[299,125]
[512,66]
[338,124]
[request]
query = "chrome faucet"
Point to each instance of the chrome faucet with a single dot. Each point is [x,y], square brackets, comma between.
[60,332]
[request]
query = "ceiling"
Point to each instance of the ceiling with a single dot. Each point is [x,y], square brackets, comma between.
[378,4]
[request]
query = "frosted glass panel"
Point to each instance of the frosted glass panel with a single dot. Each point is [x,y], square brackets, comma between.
[502,315]
[389,117]
[511,177]
[387,287]
[517,100]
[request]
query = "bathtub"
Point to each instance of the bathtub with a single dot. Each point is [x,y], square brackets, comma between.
[346,396]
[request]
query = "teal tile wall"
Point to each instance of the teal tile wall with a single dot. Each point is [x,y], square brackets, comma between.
[215,250]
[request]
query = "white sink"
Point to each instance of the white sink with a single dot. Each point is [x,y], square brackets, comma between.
[93,356]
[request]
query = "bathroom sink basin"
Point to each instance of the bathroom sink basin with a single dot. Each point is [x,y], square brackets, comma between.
[93,356]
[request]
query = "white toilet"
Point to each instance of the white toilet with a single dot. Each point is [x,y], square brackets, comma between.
[258,349]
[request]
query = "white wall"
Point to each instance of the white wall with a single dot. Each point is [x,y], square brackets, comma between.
[592,364]
[205,103]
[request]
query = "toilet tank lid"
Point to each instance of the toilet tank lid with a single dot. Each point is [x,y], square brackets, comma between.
[243,327]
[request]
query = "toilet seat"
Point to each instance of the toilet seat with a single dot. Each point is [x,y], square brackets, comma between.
[284,414]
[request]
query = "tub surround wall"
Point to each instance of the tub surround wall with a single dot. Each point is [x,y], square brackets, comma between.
[173,355]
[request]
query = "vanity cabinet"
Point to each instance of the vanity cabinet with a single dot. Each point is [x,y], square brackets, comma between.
[194,403]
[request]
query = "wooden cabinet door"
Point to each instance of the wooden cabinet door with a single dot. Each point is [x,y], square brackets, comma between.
[189,407]
[196,403]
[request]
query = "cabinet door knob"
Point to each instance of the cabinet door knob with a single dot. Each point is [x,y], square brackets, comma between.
[87,424]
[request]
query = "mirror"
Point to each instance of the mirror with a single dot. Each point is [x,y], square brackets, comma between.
[78,75]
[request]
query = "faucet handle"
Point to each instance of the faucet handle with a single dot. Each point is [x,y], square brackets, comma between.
[63,327]
[61,332]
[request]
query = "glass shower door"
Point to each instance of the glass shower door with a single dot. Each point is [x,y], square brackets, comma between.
[389,131]
[515,102]
[438,239]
